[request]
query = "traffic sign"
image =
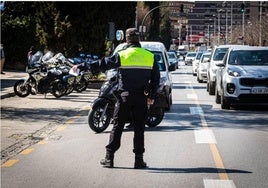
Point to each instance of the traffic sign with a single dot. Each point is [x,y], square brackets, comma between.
[119,35]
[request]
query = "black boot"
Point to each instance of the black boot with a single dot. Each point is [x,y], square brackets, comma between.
[108,161]
[139,163]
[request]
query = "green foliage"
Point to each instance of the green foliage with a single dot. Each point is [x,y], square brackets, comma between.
[164,30]
[17,30]
[66,27]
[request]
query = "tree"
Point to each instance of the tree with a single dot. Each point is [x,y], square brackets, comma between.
[18,32]
[165,31]
[61,26]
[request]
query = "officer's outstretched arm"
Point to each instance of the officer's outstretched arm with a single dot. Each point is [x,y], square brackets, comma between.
[111,62]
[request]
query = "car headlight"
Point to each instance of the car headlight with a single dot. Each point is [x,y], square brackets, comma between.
[234,73]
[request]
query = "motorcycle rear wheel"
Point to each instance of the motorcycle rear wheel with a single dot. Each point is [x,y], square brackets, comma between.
[99,117]
[155,116]
[22,89]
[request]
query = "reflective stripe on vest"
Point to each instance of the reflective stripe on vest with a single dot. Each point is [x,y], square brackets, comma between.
[136,58]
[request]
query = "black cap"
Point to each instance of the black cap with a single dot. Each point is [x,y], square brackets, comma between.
[132,32]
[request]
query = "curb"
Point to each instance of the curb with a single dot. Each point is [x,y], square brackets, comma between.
[10,92]
[7,94]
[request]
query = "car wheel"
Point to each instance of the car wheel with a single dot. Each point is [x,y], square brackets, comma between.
[207,84]
[224,103]
[169,103]
[199,80]
[217,96]
[211,89]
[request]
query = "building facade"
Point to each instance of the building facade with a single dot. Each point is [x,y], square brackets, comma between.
[218,22]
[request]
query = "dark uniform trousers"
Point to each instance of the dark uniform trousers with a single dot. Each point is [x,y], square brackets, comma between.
[131,105]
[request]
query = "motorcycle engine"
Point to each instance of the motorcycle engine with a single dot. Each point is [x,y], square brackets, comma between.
[43,85]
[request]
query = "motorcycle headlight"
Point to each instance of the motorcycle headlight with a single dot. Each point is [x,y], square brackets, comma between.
[163,80]
[111,73]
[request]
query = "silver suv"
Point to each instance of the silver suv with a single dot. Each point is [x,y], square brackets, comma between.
[243,76]
[216,57]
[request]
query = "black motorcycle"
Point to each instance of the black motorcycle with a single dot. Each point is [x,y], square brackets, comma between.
[100,116]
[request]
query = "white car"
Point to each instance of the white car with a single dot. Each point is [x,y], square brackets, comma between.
[216,57]
[189,58]
[202,67]
[172,58]
[243,77]
[196,62]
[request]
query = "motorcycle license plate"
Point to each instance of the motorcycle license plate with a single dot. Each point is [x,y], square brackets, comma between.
[71,80]
[78,78]
[87,77]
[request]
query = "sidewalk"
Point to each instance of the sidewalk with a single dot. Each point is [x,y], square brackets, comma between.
[8,80]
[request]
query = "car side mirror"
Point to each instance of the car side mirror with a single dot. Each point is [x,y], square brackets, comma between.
[172,67]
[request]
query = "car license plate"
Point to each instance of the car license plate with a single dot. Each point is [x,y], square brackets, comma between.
[259,90]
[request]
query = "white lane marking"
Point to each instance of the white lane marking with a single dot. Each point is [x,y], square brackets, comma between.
[196,110]
[204,136]
[189,87]
[191,96]
[218,183]
[187,82]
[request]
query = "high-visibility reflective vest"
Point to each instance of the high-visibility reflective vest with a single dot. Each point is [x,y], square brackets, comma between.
[136,58]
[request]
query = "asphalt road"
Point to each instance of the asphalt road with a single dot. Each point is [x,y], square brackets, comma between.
[196,145]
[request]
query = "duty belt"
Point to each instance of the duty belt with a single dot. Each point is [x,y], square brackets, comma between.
[125,93]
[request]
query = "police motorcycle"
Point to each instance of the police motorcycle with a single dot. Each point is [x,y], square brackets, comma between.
[65,82]
[101,113]
[83,77]
[44,77]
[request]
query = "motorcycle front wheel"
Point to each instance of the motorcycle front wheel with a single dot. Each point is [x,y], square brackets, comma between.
[58,89]
[69,89]
[81,86]
[99,117]
[155,116]
[22,88]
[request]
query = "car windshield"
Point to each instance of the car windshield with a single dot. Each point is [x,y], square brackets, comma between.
[198,56]
[191,54]
[205,58]
[249,57]
[172,55]
[160,61]
[219,54]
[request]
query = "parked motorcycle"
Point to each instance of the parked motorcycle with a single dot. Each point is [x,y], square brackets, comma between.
[82,76]
[100,116]
[44,77]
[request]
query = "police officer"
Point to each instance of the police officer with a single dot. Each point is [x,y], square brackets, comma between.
[138,74]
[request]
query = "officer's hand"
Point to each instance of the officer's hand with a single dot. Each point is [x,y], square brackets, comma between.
[74,68]
[150,101]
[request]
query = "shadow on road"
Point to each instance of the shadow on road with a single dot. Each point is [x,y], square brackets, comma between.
[32,115]
[189,170]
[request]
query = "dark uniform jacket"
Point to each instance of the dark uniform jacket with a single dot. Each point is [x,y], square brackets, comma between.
[131,78]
